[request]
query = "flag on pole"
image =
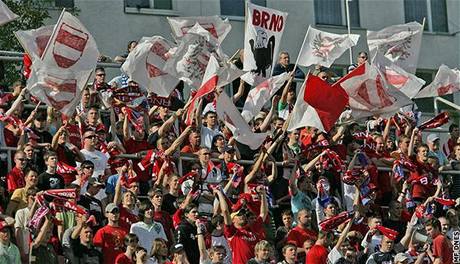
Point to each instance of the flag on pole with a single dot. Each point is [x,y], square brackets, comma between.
[399,43]
[210,80]
[34,41]
[446,81]
[323,48]
[6,15]
[369,94]
[262,93]
[66,65]
[407,83]
[216,26]
[241,131]
[263,34]
[145,65]
[318,105]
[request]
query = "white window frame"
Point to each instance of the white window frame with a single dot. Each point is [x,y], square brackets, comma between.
[154,11]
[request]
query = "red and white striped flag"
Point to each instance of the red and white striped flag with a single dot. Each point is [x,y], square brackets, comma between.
[145,66]
[447,81]
[6,15]
[210,80]
[216,26]
[262,93]
[34,41]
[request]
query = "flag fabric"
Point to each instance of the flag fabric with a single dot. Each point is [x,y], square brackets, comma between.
[262,93]
[216,26]
[318,105]
[262,38]
[407,83]
[399,43]
[323,48]
[189,61]
[232,118]
[447,81]
[34,41]
[435,122]
[6,15]
[369,94]
[210,80]
[145,65]
[66,65]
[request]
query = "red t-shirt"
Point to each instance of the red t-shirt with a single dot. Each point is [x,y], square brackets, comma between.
[15,179]
[74,135]
[422,185]
[298,236]
[177,217]
[317,255]
[10,139]
[442,248]
[111,240]
[127,218]
[123,259]
[243,240]
[190,149]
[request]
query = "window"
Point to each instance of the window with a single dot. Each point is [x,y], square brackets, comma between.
[434,12]
[155,4]
[333,12]
[236,7]
[64,3]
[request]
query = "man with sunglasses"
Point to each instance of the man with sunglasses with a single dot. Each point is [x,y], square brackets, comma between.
[110,237]
[90,152]
[15,178]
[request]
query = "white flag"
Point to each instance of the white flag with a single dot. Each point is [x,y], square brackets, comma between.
[145,65]
[191,57]
[6,15]
[323,48]
[241,131]
[399,43]
[447,81]
[258,96]
[68,62]
[263,34]
[407,83]
[34,41]
[214,24]
[369,93]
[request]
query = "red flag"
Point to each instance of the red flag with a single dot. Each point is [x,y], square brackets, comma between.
[436,121]
[446,202]
[333,222]
[390,233]
[318,105]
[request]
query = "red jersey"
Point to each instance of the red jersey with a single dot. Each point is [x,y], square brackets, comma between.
[442,248]
[127,218]
[15,179]
[421,181]
[10,139]
[123,259]
[298,236]
[243,240]
[74,135]
[190,149]
[111,240]
[317,255]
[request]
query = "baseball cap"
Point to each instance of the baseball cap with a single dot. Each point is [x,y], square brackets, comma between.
[432,137]
[400,257]
[177,248]
[240,212]
[229,148]
[111,207]
[92,181]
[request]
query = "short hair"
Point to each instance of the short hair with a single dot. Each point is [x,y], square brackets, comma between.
[189,208]
[423,145]
[154,191]
[29,169]
[303,210]
[403,137]
[130,43]
[144,207]
[215,248]
[263,244]
[287,212]
[363,53]
[86,163]
[208,113]
[49,154]
[288,245]
[99,68]
[283,53]
[131,236]
[433,222]
[32,191]
[452,127]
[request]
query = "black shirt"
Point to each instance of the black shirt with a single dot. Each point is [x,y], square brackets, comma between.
[48,181]
[169,203]
[94,206]
[80,254]
[186,235]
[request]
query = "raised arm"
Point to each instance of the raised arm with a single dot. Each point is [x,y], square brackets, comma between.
[201,243]
[126,133]
[263,202]
[224,207]
[176,144]
[169,123]
[266,123]
[386,131]
[16,102]
[240,92]
[411,144]
[283,99]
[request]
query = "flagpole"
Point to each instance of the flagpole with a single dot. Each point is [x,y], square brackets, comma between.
[288,121]
[52,34]
[300,51]
[347,11]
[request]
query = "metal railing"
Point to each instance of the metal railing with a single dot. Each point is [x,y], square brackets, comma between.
[444,101]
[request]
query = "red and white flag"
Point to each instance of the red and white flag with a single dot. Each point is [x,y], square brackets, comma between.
[145,65]
[6,15]
[262,38]
[399,43]
[66,65]
[323,48]
[210,81]
[447,81]
[216,26]
[262,93]
[318,105]
[34,41]
[407,83]
[232,118]
[189,61]
[369,93]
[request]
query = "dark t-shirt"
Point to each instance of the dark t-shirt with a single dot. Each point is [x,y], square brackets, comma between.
[169,203]
[80,254]
[94,206]
[48,181]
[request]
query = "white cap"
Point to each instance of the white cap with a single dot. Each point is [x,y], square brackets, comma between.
[431,138]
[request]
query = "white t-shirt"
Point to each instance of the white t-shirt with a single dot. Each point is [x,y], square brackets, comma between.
[98,158]
[21,223]
[147,233]
[207,134]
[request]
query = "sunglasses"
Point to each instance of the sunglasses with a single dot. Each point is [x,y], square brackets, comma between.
[131,240]
[21,159]
[91,137]
[88,167]
[101,74]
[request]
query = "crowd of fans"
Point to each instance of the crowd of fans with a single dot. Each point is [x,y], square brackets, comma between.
[75,196]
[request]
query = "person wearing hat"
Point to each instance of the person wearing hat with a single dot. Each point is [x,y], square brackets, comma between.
[9,252]
[110,237]
[433,144]
[441,247]
[401,258]
[179,255]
